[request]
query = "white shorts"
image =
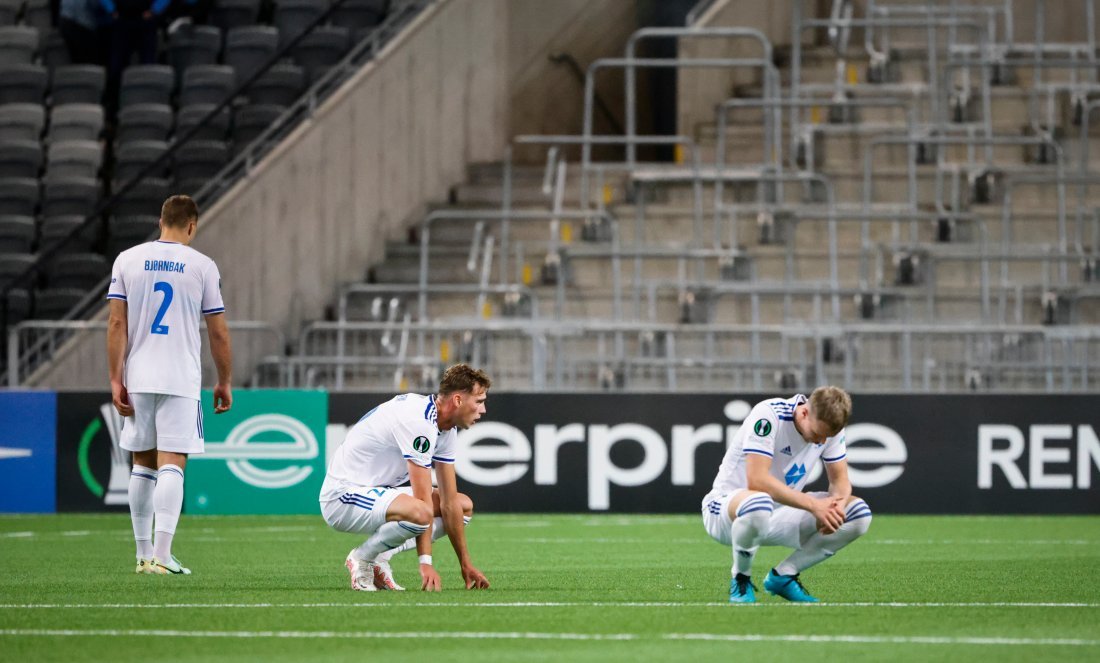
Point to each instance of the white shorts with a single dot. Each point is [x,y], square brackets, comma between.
[163,422]
[787,527]
[361,509]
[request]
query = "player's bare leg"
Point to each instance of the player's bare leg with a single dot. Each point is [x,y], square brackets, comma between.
[383,573]
[406,518]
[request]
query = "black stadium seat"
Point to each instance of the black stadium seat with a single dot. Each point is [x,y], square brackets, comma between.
[76,270]
[320,49]
[16,233]
[18,44]
[248,48]
[20,158]
[19,195]
[69,195]
[22,121]
[215,128]
[192,45]
[281,85]
[22,83]
[77,84]
[144,122]
[74,158]
[57,228]
[75,122]
[293,16]
[207,84]
[132,157]
[229,14]
[147,84]
[56,303]
[145,197]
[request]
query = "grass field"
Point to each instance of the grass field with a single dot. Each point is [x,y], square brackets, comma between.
[577,588]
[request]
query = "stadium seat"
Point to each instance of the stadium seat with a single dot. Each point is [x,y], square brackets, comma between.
[248,49]
[320,49]
[76,270]
[19,195]
[193,45]
[293,16]
[78,84]
[9,10]
[251,121]
[143,122]
[18,306]
[206,84]
[56,303]
[22,83]
[18,44]
[126,231]
[36,13]
[69,195]
[281,85]
[144,198]
[358,14]
[229,14]
[16,234]
[14,264]
[57,228]
[20,158]
[200,159]
[147,84]
[22,121]
[133,157]
[190,116]
[74,158]
[54,52]
[75,122]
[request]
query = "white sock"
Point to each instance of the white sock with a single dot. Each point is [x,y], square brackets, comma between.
[143,480]
[819,547]
[389,536]
[437,534]
[167,502]
[748,528]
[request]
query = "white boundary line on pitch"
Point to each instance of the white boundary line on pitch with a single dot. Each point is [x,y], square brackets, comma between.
[519,635]
[542,604]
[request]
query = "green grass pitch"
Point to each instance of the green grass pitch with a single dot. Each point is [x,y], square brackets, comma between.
[576,588]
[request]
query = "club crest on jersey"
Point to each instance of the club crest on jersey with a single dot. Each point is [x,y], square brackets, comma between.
[422,444]
[762,428]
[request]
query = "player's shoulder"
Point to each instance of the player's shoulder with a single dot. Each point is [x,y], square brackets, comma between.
[780,409]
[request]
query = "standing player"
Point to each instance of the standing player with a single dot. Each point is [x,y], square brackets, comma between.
[158,295]
[768,462]
[398,441]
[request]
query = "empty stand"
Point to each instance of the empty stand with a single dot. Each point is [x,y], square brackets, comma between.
[76,122]
[147,84]
[23,83]
[144,122]
[77,84]
[17,234]
[22,121]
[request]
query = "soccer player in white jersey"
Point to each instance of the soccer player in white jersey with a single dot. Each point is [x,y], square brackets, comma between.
[402,440]
[757,497]
[160,291]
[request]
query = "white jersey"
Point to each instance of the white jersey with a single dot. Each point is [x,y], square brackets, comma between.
[377,449]
[167,288]
[769,431]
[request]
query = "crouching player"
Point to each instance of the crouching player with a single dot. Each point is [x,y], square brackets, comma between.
[399,441]
[757,497]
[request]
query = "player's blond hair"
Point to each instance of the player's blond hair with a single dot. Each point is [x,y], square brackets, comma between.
[831,405]
[178,211]
[462,378]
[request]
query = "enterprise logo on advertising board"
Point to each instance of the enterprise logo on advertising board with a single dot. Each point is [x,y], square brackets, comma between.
[263,456]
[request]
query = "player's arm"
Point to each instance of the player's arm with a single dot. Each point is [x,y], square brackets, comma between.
[760,479]
[220,348]
[452,514]
[840,487]
[117,339]
[420,478]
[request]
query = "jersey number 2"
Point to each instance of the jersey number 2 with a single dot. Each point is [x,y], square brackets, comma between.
[166,288]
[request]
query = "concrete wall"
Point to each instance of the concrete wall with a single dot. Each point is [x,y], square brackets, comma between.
[450,90]
[700,90]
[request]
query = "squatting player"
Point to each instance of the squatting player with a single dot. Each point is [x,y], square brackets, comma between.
[398,441]
[159,294]
[757,497]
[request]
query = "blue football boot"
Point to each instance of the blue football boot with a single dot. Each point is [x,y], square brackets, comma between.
[788,587]
[742,590]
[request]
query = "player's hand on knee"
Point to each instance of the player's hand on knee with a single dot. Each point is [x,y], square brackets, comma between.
[429,579]
[474,579]
[829,515]
[121,399]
